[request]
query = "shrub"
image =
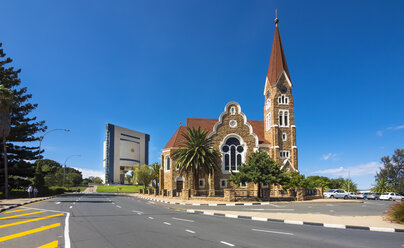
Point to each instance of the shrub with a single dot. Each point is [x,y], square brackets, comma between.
[396,213]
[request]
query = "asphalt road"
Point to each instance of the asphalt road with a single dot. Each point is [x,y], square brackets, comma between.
[361,208]
[101,220]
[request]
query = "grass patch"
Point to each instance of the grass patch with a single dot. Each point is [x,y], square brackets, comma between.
[119,188]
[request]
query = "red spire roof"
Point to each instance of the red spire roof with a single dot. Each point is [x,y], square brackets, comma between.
[277,62]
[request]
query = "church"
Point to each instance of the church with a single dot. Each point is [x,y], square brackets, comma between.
[236,137]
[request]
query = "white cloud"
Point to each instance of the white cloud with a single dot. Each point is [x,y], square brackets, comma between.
[329,156]
[95,173]
[358,170]
[380,132]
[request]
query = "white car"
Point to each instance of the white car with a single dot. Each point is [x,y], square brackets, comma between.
[336,193]
[391,196]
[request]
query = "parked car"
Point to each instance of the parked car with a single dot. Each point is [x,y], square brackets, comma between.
[360,196]
[373,196]
[391,196]
[336,193]
[352,195]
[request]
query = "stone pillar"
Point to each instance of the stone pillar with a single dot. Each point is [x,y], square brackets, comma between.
[212,183]
[300,192]
[185,194]
[229,195]
[319,192]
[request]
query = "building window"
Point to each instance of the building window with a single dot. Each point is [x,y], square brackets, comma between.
[168,163]
[232,154]
[284,154]
[268,121]
[284,137]
[202,183]
[268,104]
[223,183]
[284,100]
[233,110]
[284,118]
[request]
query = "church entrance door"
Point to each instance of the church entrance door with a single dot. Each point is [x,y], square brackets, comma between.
[180,184]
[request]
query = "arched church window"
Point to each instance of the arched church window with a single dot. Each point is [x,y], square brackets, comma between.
[233,110]
[268,104]
[168,163]
[232,153]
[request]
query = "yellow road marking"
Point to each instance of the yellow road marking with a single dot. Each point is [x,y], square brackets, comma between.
[14,216]
[16,211]
[17,235]
[31,220]
[52,244]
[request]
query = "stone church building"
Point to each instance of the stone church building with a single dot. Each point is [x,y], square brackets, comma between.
[236,137]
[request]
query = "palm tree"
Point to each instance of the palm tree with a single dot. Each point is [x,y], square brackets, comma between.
[196,154]
[6,97]
[155,172]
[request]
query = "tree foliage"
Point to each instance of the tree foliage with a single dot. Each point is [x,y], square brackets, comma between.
[295,180]
[391,175]
[144,175]
[196,154]
[260,169]
[349,186]
[24,125]
[155,167]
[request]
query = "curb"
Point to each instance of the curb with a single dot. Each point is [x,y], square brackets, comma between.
[292,222]
[22,204]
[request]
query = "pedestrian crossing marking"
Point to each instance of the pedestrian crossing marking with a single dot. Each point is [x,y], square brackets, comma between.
[16,210]
[31,220]
[20,215]
[21,234]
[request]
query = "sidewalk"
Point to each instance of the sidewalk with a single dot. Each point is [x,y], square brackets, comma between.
[12,203]
[373,223]
[211,203]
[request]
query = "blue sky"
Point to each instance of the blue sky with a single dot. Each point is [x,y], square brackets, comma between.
[148,65]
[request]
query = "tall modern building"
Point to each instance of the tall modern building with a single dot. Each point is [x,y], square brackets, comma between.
[123,149]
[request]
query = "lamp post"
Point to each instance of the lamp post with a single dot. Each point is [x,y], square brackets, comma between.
[57,129]
[64,167]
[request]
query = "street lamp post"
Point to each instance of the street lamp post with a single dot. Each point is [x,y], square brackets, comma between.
[64,167]
[41,138]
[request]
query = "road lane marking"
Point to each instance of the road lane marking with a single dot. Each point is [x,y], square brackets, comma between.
[190,231]
[118,206]
[226,243]
[8,212]
[71,207]
[268,231]
[21,234]
[138,212]
[74,203]
[167,223]
[182,219]
[20,215]
[52,244]
[31,220]
[57,203]
[67,236]
[151,218]
[37,202]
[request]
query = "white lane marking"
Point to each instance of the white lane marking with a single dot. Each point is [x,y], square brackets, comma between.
[190,211]
[332,211]
[118,206]
[71,207]
[182,219]
[77,200]
[138,212]
[113,202]
[57,203]
[330,205]
[226,243]
[67,237]
[74,203]
[151,218]
[294,222]
[190,231]
[268,231]
[167,223]
[334,226]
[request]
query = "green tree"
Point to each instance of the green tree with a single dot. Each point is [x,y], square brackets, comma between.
[6,97]
[295,180]
[393,171]
[313,182]
[382,186]
[336,183]
[260,169]
[24,125]
[349,186]
[98,180]
[39,181]
[144,175]
[196,154]
[156,173]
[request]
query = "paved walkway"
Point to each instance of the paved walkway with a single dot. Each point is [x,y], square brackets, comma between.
[91,189]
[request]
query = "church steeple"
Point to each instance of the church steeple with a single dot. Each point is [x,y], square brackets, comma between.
[277,62]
